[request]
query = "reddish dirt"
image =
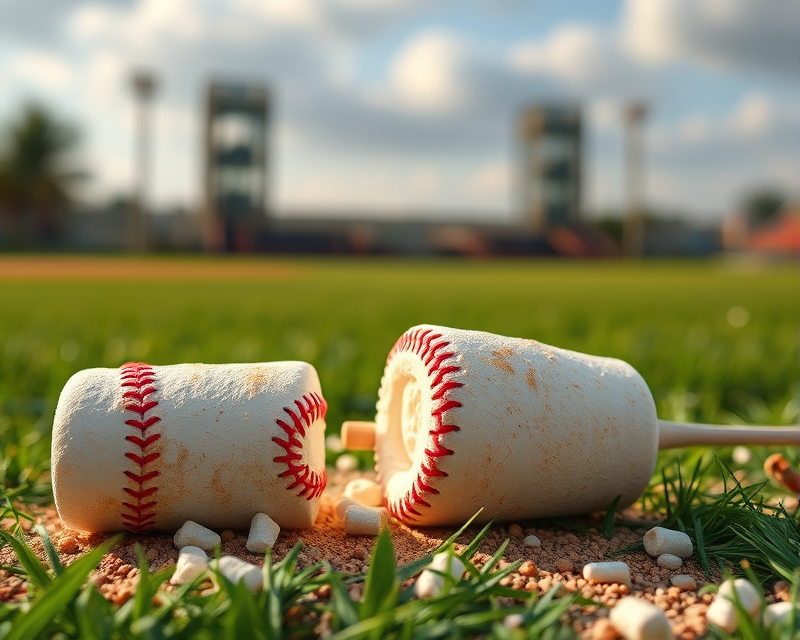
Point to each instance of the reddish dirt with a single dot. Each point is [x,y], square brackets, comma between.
[559,560]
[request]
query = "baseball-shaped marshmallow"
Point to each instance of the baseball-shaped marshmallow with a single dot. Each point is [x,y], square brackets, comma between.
[467,419]
[143,447]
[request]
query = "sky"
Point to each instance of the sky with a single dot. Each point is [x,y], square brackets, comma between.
[408,108]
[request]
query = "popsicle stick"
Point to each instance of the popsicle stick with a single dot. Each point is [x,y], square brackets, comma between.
[358,436]
[683,434]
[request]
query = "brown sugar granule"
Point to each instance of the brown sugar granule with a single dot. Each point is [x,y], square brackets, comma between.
[565,565]
[67,544]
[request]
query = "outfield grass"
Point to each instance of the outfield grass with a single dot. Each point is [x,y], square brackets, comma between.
[715,342]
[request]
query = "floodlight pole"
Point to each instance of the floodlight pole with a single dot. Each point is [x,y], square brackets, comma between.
[144,86]
[633,238]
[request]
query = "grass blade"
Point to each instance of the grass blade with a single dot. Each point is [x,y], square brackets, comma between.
[37,572]
[380,590]
[58,595]
[52,554]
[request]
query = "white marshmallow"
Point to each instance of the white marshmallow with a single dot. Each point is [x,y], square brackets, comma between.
[532,541]
[777,612]
[149,447]
[684,582]
[475,394]
[637,619]
[237,570]
[334,443]
[193,534]
[431,584]
[263,533]
[346,462]
[749,597]
[616,572]
[659,541]
[722,613]
[342,505]
[364,491]
[192,562]
[364,521]
[669,561]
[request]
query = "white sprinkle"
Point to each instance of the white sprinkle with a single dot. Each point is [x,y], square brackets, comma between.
[346,462]
[237,570]
[365,492]
[637,619]
[513,621]
[363,521]
[532,541]
[192,562]
[616,572]
[684,582]
[263,533]
[659,541]
[193,534]
[777,612]
[742,455]
[342,505]
[749,596]
[669,561]
[722,614]
[334,443]
[431,584]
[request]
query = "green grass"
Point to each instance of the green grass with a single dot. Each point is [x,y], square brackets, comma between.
[669,320]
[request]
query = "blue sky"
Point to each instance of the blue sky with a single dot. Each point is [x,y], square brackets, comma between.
[406,108]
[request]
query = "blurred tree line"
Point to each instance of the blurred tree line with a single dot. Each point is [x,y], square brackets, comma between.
[39,173]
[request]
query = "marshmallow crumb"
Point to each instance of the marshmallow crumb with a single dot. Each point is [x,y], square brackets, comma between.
[263,533]
[193,534]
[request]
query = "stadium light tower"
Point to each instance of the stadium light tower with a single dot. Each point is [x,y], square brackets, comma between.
[144,87]
[633,237]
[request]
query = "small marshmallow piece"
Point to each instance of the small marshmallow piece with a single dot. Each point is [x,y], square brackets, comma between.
[684,582]
[365,492]
[616,572]
[513,621]
[659,541]
[749,596]
[532,541]
[722,613]
[346,462]
[263,533]
[669,561]
[741,455]
[431,584]
[363,521]
[777,612]
[193,534]
[192,562]
[637,619]
[237,570]
[334,443]
[342,505]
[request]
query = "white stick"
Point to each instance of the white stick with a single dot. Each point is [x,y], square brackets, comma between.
[680,434]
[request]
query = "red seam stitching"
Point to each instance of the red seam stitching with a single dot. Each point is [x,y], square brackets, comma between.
[306,412]
[428,346]
[138,381]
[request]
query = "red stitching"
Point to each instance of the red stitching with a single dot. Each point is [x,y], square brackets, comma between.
[307,411]
[428,346]
[138,380]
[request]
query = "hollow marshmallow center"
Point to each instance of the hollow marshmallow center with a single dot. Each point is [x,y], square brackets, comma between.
[411,416]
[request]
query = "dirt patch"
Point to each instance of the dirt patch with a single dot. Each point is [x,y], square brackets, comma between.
[558,561]
[132,268]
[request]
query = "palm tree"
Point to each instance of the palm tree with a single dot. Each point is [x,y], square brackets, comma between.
[37,170]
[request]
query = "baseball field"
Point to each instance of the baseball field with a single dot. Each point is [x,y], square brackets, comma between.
[716,341]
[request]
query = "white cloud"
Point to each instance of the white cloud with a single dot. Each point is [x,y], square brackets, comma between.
[491,181]
[41,69]
[726,34]
[426,74]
